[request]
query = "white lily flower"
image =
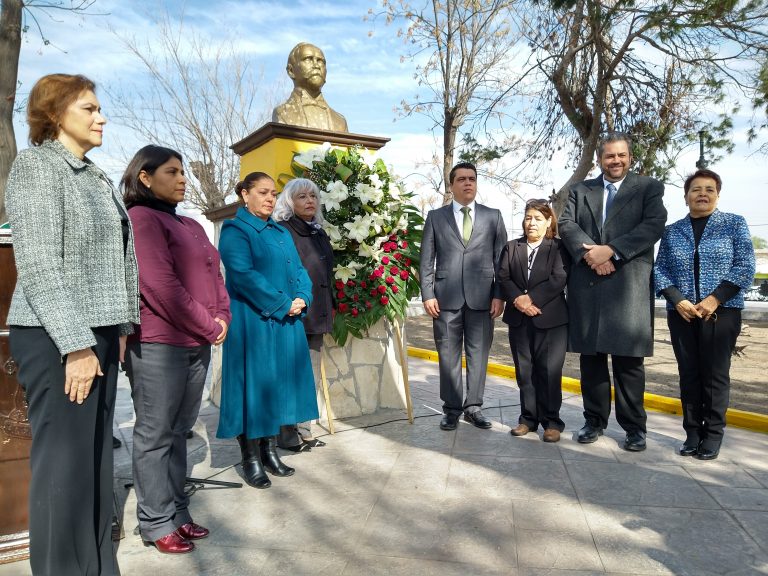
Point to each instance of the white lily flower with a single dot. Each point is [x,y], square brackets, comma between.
[375,181]
[369,157]
[344,273]
[378,221]
[359,228]
[368,194]
[333,232]
[367,251]
[334,195]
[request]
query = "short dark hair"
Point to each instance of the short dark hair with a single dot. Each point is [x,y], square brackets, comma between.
[546,211]
[49,99]
[703,173]
[248,182]
[148,159]
[460,166]
[613,137]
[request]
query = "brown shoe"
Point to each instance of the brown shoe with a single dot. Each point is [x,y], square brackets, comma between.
[520,430]
[551,435]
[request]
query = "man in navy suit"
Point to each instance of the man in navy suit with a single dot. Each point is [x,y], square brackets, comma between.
[609,227]
[460,248]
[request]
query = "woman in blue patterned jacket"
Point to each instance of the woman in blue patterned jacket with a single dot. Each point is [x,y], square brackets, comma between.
[705,263]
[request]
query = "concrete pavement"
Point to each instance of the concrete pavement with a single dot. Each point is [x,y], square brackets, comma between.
[385,497]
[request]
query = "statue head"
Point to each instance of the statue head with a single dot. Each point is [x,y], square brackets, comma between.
[306,67]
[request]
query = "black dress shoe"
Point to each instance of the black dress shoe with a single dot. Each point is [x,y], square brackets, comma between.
[477,419]
[688,449]
[303,447]
[589,433]
[707,453]
[449,422]
[116,443]
[634,442]
[314,443]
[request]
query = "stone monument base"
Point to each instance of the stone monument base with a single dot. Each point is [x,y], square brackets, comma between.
[364,375]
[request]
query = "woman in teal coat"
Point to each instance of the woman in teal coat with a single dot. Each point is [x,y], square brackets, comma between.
[267,376]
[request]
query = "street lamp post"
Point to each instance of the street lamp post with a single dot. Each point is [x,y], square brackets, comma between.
[701,163]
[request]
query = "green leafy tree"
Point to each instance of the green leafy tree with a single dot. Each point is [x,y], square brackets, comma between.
[759,243]
[661,71]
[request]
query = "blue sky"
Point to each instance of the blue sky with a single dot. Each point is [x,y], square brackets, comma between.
[366,81]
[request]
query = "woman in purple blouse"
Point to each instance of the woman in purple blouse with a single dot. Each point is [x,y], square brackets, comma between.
[184,309]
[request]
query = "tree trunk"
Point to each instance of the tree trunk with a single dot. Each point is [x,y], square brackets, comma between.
[586,162]
[449,143]
[10,48]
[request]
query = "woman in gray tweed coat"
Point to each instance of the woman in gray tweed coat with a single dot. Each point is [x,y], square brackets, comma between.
[77,292]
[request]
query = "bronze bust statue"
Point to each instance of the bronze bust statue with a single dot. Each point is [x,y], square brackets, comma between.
[306,105]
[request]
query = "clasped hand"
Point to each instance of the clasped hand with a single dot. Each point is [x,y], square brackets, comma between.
[598,257]
[525,305]
[704,309]
[297,306]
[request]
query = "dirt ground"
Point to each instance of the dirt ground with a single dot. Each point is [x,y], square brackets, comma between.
[749,369]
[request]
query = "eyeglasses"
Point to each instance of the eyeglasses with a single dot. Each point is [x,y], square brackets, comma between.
[536,202]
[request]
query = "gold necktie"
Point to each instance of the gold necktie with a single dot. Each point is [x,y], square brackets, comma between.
[466,229]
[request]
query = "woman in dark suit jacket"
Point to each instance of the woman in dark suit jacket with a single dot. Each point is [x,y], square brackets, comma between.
[532,276]
[298,210]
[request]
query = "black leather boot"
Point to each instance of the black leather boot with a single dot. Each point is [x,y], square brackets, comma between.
[253,470]
[271,460]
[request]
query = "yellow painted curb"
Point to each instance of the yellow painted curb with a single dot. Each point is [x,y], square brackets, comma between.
[733,417]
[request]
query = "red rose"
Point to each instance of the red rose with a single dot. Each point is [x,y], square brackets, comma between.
[397,255]
[350,283]
[378,273]
[363,285]
[394,270]
[355,312]
[395,289]
[407,261]
[384,300]
[339,284]
[386,247]
[385,260]
[403,244]
[389,280]
[393,237]
[355,297]
[403,274]
[343,307]
[403,232]
[374,292]
[368,304]
[340,294]
[382,289]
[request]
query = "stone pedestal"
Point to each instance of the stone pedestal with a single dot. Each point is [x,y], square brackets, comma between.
[364,375]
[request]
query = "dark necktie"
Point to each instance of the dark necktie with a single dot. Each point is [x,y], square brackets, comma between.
[611,196]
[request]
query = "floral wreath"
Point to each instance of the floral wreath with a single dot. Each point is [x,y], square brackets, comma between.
[374,232]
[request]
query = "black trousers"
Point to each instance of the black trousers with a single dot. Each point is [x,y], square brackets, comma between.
[70,494]
[629,388]
[703,351]
[539,357]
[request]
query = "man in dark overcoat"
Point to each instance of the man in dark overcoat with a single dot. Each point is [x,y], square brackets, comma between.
[460,249]
[609,227]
